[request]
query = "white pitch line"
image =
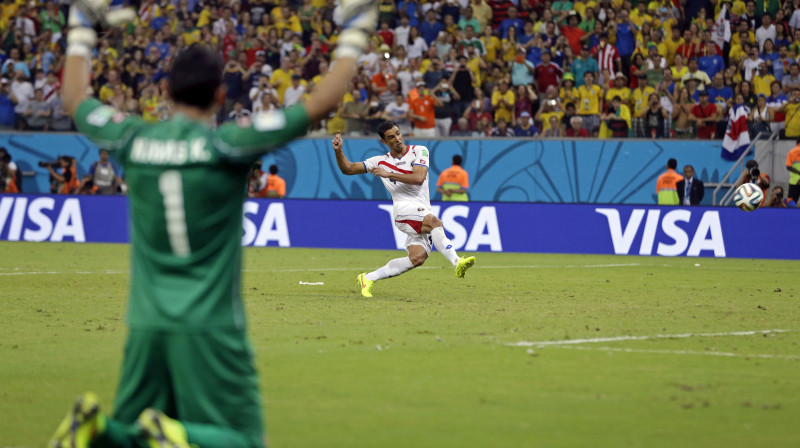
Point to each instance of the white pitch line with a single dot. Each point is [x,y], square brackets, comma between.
[562,266]
[639,338]
[679,352]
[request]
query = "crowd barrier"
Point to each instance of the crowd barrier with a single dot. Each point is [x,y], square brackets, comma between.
[501,170]
[482,227]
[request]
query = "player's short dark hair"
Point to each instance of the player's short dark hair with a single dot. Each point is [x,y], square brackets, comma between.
[385,126]
[196,76]
[273,169]
[457,160]
[672,163]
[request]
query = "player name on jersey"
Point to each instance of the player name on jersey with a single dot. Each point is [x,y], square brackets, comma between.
[169,152]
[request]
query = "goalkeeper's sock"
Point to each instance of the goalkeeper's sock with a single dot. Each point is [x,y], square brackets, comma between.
[392,269]
[443,245]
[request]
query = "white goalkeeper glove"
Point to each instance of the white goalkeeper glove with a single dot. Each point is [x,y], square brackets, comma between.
[360,21]
[85,16]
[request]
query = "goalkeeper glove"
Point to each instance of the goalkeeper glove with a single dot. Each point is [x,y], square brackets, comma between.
[360,20]
[85,16]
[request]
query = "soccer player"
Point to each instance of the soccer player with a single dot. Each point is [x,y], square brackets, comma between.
[412,204]
[187,375]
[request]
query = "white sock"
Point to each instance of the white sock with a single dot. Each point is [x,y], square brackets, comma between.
[392,269]
[443,245]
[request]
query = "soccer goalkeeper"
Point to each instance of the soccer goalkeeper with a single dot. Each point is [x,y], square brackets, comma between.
[187,375]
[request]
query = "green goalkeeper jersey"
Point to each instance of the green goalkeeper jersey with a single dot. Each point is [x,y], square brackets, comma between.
[186,184]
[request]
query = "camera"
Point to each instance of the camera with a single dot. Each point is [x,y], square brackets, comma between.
[551,102]
[50,164]
[754,174]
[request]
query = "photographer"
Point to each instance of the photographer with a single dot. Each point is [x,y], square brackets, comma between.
[754,175]
[256,181]
[8,179]
[778,200]
[67,180]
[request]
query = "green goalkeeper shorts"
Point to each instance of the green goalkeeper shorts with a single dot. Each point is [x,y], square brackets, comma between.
[205,377]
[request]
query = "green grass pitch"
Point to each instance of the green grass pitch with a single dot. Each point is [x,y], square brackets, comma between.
[428,361]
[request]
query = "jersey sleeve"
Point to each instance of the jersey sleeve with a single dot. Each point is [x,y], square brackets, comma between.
[107,127]
[245,140]
[422,156]
[372,162]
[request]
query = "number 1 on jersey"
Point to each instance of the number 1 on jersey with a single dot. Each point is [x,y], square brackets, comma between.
[170,184]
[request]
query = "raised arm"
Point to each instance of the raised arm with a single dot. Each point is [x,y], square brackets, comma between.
[346,166]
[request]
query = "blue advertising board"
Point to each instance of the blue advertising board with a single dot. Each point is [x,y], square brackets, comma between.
[482,227]
[500,170]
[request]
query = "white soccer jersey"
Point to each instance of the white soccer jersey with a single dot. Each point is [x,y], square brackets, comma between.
[401,192]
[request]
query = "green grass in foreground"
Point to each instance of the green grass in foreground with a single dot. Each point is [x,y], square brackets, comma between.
[425,363]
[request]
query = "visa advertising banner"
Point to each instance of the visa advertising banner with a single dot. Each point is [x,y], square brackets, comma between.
[481,227]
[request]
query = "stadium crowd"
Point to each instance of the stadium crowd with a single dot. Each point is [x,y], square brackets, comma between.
[582,68]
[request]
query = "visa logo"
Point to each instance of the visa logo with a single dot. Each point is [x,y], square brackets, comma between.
[687,240]
[41,219]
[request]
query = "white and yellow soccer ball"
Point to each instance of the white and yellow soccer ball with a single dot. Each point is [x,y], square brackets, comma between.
[748,197]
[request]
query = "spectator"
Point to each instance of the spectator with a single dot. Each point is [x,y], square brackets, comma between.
[705,115]
[444,94]
[618,119]
[103,175]
[553,128]
[548,73]
[576,129]
[21,95]
[695,74]
[591,101]
[690,190]
[422,113]
[522,70]
[791,109]
[640,100]
[275,186]
[760,117]
[525,127]
[461,129]
[397,111]
[584,64]
[777,200]
[6,106]
[454,182]
[355,112]
[239,113]
[791,80]
[711,63]
[37,112]
[762,81]
[502,129]
[766,31]
[430,28]
[666,186]
[503,101]
[751,64]
[294,92]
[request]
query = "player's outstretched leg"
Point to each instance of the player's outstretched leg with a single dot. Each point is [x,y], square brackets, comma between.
[161,431]
[444,247]
[392,269]
[82,423]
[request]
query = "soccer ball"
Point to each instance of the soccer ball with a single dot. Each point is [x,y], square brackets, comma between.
[748,197]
